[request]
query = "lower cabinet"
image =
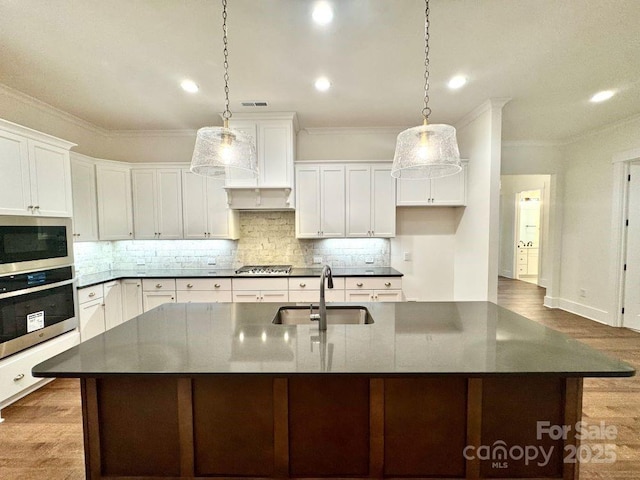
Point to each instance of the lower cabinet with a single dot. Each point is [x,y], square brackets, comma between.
[203,290]
[373,295]
[91,312]
[254,290]
[158,291]
[307,290]
[131,298]
[112,304]
[373,289]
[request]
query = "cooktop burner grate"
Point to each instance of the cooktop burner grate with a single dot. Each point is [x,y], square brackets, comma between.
[264,270]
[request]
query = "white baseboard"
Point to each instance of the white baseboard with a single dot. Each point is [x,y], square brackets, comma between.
[551,302]
[507,274]
[586,311]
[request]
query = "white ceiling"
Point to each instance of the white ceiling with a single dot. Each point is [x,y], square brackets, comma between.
[118,63]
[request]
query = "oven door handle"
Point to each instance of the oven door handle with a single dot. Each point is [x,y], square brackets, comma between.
[39,288]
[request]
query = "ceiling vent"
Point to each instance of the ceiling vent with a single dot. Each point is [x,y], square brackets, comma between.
[254,104]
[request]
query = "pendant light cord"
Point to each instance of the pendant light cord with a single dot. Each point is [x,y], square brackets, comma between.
[226,115]
[426,111]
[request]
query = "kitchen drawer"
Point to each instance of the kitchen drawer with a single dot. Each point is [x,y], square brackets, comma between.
[522,269]
[90,294]
[274,296]
[201,296]
[522,251]
[311,296]
[255,296]
[203,284]
[158,284]
[522,260]
[261,283]
[313,283]
[373,283]
[15,371]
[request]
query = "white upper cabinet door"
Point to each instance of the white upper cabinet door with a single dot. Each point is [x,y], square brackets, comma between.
[85,206]
[308,201]
[413,192]
[383,193]
[144,204]
[169,203]
[275,153]
[114,202]
[358,186]
[236,177]
[332,201]
[15,194]
[50,172]
[194,205]
[222,221]
[451,190]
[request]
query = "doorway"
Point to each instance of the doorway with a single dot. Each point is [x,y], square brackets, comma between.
[631,290]
[528,216]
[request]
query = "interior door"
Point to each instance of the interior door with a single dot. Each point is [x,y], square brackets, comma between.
[631,317]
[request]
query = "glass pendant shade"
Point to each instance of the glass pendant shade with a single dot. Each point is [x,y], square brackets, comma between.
[219,150]
[427,151]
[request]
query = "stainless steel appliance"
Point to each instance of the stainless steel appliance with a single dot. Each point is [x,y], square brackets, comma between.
[264,270]
[34,243]
[37,294]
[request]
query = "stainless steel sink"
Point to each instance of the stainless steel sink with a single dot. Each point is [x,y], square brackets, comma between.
[299,315]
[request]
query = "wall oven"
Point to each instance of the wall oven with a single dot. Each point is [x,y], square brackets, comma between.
[37,294]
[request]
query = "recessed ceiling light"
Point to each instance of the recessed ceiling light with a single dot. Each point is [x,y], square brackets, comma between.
[323,84]
[457,82]
[189,86]
[602,96]
[322,13]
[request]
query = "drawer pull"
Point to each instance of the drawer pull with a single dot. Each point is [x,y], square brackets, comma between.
[359,284]
[92,294]
[387,284]
[303,285]
[189,285]
[158,285]
[217,285]
[18,377]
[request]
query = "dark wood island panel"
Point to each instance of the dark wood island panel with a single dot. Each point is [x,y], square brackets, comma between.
[309,426]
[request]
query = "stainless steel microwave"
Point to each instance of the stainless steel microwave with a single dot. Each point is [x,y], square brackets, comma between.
[34,243]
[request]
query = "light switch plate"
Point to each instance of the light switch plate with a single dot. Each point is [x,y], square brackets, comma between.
[368,260]
[407,256]
[317,259]
[140,261]
[211,261]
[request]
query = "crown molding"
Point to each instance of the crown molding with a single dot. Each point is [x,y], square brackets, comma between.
[51,110]
[152,133]
[355,130]
[600,130]
[291,116]
[530,143]
[489,104]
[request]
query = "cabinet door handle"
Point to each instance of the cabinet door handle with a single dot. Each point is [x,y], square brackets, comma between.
[103,305]
[217,285]
[189,285]
[130,233]
[303,285]
[359,284]
[172,298]
[387,284]
[92,294]
[158,285]
[37,207]
[30,207]
[18,377]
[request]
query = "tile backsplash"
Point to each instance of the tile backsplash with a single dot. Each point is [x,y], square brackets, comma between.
[265,238]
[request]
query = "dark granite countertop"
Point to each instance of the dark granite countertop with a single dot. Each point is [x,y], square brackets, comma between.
[97,278]
[452,338]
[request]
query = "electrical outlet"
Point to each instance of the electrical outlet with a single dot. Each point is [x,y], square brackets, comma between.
[407,256]
[583,292]
[317,259]
[211,261]
[140,262]
[368,260]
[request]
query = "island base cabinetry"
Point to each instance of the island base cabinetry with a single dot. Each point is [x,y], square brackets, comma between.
[336,426]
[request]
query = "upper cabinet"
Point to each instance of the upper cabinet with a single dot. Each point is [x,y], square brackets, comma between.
[275,137]
[320,200]
[36,173]
[157,203]
[85,207]
[370,200]
[205,211]
[115,220]
[448,191]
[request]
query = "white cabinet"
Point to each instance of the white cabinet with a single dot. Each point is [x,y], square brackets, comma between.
[370,201]
[85,202]
[205,212]
[203,290]
[36,175]
[92,311]
[253,290]
[320,200]
[373,289]
[527,261]
[444,191]
[157,292]
[112,304]
[115,221]
[307,290]
[131,298]
[157,203]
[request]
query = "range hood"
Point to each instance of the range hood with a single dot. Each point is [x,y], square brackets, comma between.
[260,198]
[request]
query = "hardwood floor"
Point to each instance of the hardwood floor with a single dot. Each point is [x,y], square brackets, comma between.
[41,438]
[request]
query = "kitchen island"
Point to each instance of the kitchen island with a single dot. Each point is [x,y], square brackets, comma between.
[201,390]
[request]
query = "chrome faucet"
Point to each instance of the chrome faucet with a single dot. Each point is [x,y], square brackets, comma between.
[321,316]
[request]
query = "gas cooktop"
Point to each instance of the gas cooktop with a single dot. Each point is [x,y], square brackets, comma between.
[264,270]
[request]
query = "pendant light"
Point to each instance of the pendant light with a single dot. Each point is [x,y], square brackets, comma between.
[426,151]
[220,150]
